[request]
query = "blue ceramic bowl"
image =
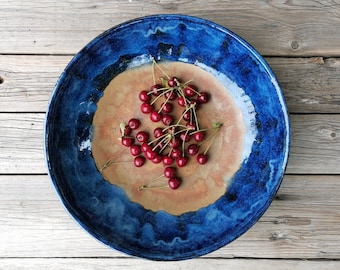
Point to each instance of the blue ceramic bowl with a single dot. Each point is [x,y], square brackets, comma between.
[103,209]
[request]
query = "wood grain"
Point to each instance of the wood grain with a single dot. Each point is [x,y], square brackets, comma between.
[308,28]
[310,85]
[118,264]
[302,223]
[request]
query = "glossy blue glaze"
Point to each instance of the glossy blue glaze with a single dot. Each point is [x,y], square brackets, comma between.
[103,209]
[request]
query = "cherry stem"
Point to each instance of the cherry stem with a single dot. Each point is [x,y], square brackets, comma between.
[145,186]
[211,137]
[111,162]
[154,61]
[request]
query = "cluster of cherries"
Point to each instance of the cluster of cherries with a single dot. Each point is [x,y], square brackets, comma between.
[180,136]
[172,106]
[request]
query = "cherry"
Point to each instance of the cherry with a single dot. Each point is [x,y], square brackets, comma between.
[186,115]
[155,89]
[181,101]
[127,131]
[155,116]
[199,136]
[192,149]
[174,143]
[167,160]
[139,161]
[158,132]
[167,107]
[150,154]
[173,82]
[175,153]
[135,149]
[143,96]
[202,158]
[127,141]
[191,126]
[134,123]
[142,136]
[181,161]
[174,182]
[169,172]
[190,91]
[203,97]
[145,147]
[170,95]
[146,108]
[167,119]
[185,137]
[157,159]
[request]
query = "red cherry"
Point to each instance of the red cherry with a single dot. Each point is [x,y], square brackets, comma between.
[170,95]
[167,160]
[185,137]
[202,158]
[127,141]
[190,91]
[199,136]
[150,154]
[167,119]
[191,126]
[142,136]
[155,89]
[134,123]
[127,131]
[186,115]
[145,147]
[203,97]
[158,132]
[181,101]
[167,107]
[135,149]
[157,159]
[175,153]
[174,182]
[139,161]
[155,116]
[146,108]
[192,149]
[173,82]
[143,96]
[174,143]
[181,161]
[169,172]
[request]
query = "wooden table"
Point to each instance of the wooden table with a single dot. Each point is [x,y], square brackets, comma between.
[301,42]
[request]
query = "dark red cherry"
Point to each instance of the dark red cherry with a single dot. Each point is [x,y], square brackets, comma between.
[174,182]
[202,158]
[127,141]
[190,91]
[199,136]
[139,161]
[155,116]
[167,160]
[170,172]
[143,96]
[134,123]
[146,108]
[182,161]
[135,149]
[142,136]
[192,149]
[203,97]
[167,119]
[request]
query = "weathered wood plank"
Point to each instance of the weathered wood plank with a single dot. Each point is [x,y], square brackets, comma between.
[315,144]
[310,85]
[303,222]
[137,264]
[272,27]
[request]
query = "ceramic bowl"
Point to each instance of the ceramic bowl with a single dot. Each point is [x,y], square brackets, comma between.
[103,209]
